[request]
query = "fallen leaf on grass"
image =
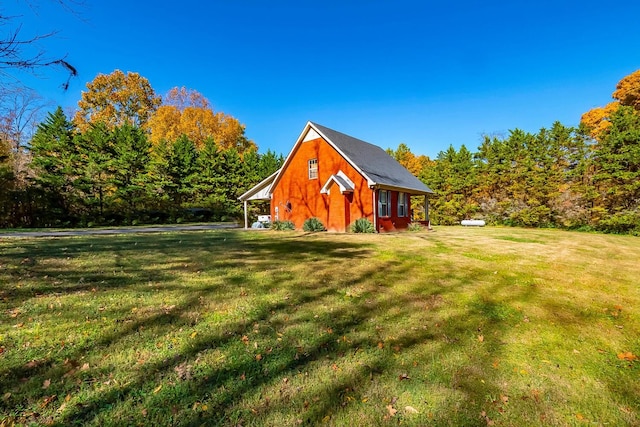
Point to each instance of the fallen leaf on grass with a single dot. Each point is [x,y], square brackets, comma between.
[404,377]
[411,410]
[157,389]
[392,411]
[46,384]
[627,355]
[481,338]
[484,415]
[32,364]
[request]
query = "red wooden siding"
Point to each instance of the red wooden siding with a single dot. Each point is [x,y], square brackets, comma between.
[297,198]
[393,221]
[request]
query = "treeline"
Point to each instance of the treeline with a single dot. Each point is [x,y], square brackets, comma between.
[127,156]
[112,175]
[584,178]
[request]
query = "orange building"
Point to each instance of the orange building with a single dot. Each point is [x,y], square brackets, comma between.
[338,179]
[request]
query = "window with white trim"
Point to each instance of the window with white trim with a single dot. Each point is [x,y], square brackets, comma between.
[313,168]
[402,205]
[384,203]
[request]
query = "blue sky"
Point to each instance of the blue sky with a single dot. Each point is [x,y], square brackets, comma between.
[428,74]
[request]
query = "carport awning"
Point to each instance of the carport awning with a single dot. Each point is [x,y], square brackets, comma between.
[261,190]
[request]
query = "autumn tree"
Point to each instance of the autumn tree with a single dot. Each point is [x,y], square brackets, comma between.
[116,99]
[406,158]
[187,112]
[627,93]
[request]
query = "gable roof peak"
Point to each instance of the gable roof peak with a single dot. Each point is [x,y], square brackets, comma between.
[375,164]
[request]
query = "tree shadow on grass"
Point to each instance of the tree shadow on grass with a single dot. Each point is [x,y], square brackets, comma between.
[225,389]
[326,327]
[26,378]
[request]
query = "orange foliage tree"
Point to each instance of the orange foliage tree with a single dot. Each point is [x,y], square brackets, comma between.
[627,93]
[116,99]
[187,112]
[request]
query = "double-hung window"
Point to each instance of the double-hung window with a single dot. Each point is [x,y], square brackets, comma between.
[384,203]
[313,168]
[402,205]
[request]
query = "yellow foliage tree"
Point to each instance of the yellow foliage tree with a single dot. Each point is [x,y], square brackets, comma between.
[115,99]
[627,93]
[628,90]
[597,120]
[187,112]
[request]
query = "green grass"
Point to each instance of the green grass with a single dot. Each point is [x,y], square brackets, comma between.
[454,327]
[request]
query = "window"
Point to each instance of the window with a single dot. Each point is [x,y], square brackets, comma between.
[384,203]
[402,205]
[313,169]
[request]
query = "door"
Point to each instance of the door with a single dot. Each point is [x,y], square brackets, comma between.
[338,208]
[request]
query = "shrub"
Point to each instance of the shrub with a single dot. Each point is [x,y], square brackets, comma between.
[312,225]
[362,225]
[282,225]
[415,226]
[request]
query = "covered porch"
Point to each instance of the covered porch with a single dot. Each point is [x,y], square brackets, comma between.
[260,191]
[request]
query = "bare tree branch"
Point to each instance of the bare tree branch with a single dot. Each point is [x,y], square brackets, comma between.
[18,53]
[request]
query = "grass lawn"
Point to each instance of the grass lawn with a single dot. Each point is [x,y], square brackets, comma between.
[462,326]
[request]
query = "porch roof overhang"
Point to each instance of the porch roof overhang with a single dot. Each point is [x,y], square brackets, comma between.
[408,190]
[261,191]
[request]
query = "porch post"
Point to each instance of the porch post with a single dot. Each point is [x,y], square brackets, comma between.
[426,211]
[246,219]
[375,209]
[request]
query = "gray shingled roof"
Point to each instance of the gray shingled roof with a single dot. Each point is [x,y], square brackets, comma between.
[374,162]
